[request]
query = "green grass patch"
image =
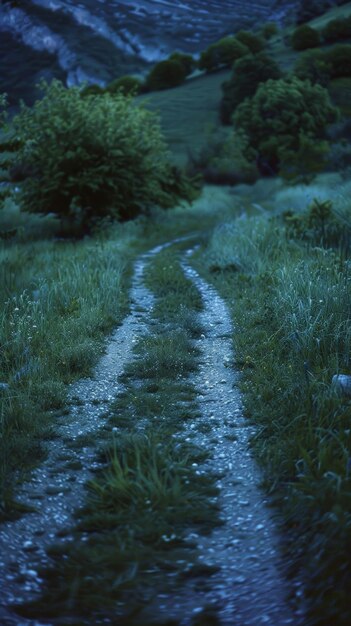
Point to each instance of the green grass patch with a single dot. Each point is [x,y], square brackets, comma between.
[290,300]
[58,302]
[130,539]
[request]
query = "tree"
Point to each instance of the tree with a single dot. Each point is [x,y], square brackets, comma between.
[305,37]
[280,114]
[165,75]
[92,157]
[248,73]
[221,54]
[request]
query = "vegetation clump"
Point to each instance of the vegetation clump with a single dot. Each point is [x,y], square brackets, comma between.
[126,84]
[253,42]
[337,29]
[283,119]
[305,37]
[93,157]
[222,54]
[165,75]
[248,73]
[320,225]
[224,161]
[186,60]
[269,30]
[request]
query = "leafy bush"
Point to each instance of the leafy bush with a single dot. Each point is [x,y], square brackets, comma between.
[92,90]
[321,66]
[280,114]
[339,28]
[253,42]
[186,60]
[320,225]
[269,30]
[88,158]
[125,84]
[305,37]
[339,58]
[221,54]
[165,75]
[248,73]
[223,161]
[313,66]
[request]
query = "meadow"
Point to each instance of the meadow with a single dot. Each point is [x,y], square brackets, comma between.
[277,249]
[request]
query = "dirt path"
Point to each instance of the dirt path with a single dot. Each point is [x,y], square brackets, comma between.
[248,586]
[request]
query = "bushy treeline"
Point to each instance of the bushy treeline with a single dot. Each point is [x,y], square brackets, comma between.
[88,158]
[336,30]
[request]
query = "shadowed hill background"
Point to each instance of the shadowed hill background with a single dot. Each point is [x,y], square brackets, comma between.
[99,41]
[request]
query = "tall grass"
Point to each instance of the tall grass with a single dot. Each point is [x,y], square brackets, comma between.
[150,495]
[58,302]
[291,305]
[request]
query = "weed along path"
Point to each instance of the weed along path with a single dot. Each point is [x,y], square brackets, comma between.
[170,526]
[56,488]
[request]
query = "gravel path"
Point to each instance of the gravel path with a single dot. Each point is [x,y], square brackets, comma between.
[248,587]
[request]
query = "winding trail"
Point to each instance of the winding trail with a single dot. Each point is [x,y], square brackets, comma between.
[248,587]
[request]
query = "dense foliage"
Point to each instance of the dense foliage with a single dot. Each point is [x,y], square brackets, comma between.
[166,74]
[284,120]
[269,29]
[88,158]
[186,60]
[221,54]
[305,37]
[339,28]
[254,43]
[320,66]
[248,73]
[125,84]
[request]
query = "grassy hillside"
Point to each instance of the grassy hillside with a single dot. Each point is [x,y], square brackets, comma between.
[188,113]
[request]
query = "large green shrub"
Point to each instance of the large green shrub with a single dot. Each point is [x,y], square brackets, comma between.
[339,28]
[339,58]
[88,158]
[253,42]
[321,66]
[305,37]
[125,84]
[269,30]
[186,60]
[223,161]
[248,73]
[221,54]
[92,90]
[282,115]
[314,66]
[165,75]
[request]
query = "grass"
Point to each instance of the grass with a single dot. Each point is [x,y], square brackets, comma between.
[131,534]
[58,302]
[290,301]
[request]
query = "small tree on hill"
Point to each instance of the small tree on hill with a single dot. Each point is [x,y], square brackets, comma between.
[278,117]
[92,157]
[305,37]
[248,73]
[165,75]
[221,54]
